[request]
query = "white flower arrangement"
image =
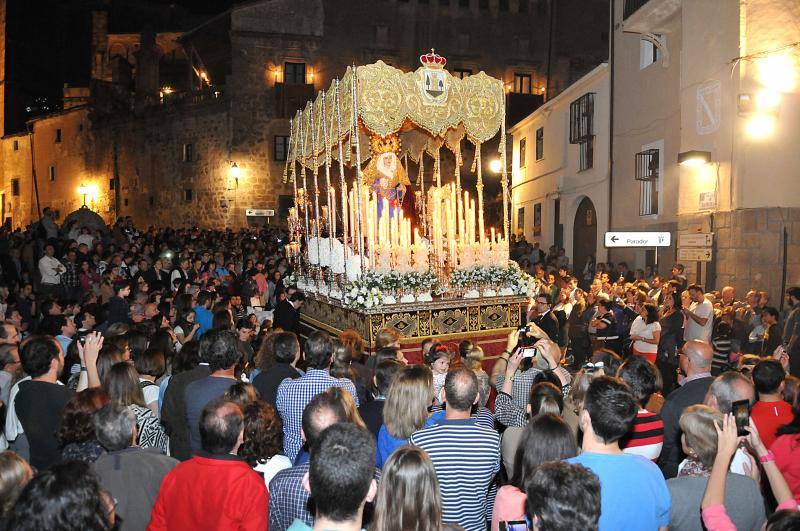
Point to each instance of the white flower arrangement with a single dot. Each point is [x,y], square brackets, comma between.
[291,279]
[379,288]
[520,282]
[359,295]
[493,279]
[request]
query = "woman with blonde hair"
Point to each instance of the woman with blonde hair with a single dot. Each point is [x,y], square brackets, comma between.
[349,404]
[474,362]
[408,496]
[405,410]
[700,440]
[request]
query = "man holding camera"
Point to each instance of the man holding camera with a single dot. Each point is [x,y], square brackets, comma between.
[528,353]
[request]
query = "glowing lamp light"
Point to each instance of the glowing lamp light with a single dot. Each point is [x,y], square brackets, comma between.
[694,158]
[87,190]
[777,73]
[234,171]
[495,166]
[767,99]
[760,126]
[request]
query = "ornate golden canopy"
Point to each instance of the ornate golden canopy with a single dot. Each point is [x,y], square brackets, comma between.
[392,101]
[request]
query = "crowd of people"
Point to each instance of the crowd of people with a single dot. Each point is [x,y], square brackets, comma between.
[156,380]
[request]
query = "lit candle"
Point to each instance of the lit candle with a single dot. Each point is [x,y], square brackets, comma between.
[333,212]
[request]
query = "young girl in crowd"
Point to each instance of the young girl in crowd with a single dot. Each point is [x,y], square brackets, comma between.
[438,359]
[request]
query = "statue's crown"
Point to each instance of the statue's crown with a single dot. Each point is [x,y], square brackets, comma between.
[379,144]
[432,60]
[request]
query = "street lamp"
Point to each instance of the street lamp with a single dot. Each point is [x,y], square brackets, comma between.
[495,166]
[234,171]
[694,158]
[84,191]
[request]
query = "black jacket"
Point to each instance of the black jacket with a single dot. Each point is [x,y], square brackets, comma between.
[286,317]
[173,412]
[118,311]
[267,382]
[689,394]
[549,324]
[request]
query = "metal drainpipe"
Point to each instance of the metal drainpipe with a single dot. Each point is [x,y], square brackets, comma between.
[611,40]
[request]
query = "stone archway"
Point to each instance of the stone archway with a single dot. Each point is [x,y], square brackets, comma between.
[584,235]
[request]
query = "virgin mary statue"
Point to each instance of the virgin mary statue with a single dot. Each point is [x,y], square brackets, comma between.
[384,174]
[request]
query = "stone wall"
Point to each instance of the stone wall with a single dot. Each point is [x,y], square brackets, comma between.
[749,250]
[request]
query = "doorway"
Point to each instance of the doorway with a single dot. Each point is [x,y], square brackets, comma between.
[584,235]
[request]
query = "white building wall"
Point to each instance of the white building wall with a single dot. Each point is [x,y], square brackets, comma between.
[557,175]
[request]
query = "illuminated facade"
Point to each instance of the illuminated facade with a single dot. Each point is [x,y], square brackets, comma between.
[719,77]
[167,114]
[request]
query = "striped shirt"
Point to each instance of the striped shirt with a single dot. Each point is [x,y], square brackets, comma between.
[466,457]
[721,344]
[647,435]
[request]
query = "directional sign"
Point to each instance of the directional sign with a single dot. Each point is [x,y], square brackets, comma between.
[259,213]
[695,240]
[637,239]
[694,254]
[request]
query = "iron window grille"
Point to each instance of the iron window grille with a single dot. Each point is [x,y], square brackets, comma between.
[586,150]
[540,143]
[581,119]
[647,165]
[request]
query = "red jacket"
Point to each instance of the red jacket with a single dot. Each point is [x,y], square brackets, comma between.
[211,492]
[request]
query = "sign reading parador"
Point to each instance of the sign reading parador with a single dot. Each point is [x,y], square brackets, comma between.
[637,239]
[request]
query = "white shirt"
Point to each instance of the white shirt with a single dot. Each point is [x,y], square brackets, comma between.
[705,310]
[48,268]
[87,239]
[639,328]
[150,392]
[275,464]
[13,425]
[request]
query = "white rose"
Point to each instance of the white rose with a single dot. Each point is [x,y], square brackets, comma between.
[360,299]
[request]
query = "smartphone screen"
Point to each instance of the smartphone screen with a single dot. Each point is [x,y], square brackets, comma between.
[741,412]
[528,352]
[516,525]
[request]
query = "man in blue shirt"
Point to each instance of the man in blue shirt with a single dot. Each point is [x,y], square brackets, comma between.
[202,312]
[294,395]
[633,493]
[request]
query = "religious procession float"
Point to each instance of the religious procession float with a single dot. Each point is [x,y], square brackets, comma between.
[371,250]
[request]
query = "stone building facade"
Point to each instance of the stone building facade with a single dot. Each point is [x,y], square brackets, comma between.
[168,114]
[722,79]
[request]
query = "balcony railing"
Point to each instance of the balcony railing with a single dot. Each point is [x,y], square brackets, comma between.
[631,6]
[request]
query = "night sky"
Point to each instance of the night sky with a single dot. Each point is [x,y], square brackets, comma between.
[48,44]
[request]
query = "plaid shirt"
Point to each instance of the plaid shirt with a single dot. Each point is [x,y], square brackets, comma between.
[70,276]
[289,501]
[294,396]
[510,410]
